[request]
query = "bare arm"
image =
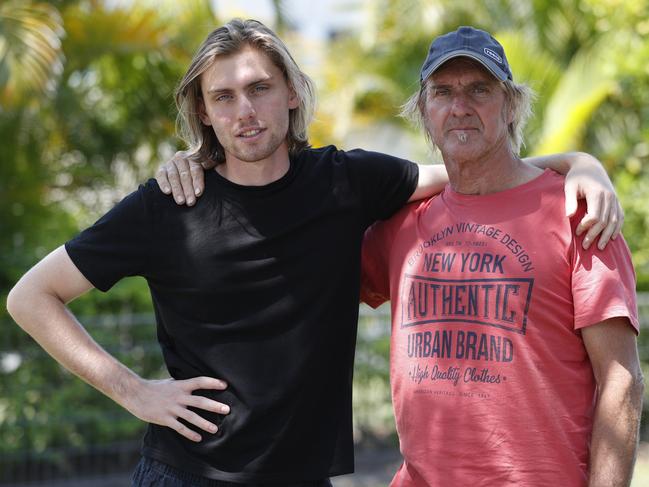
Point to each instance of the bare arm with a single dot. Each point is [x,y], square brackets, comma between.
[587,178]
[38,304]
[611,346]
[184,179]
[432,179]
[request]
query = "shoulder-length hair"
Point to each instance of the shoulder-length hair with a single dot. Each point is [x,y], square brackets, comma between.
[203,145]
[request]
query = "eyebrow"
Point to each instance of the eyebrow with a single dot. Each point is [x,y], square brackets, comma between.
[450,85]
[264,79]
[473,84]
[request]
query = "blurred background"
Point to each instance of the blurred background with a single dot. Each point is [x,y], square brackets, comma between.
[86,113]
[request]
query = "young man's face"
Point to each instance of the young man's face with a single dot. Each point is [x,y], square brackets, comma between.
[246,100]
[465,114]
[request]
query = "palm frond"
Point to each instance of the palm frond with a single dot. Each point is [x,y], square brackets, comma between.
[100,30]
[30,50]
[586,83]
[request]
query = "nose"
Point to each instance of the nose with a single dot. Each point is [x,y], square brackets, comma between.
[460,105]
[246,108]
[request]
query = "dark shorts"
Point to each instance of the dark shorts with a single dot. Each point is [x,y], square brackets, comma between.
[151,473]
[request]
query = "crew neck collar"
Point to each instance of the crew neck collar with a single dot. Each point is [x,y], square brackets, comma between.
[453,196]
[266,188]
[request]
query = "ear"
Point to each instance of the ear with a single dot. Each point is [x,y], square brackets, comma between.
[293,100]
[202,112]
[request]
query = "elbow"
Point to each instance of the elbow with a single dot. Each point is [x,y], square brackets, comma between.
[634,389]
[638,386]
[19,302]
[625,389]
[15,301]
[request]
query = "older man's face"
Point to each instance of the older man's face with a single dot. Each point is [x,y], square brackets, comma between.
[465,112]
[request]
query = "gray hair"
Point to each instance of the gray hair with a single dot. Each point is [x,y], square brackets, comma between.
[518,99]
[231,38]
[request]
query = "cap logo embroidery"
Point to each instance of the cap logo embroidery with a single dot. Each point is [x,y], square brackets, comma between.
[493,55]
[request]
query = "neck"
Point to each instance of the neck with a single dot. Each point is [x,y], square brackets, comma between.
[489,174]
[257,173]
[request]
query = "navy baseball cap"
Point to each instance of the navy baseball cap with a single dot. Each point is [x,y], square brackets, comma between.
[467,42]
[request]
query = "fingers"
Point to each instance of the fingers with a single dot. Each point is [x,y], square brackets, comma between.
[604,215]
[163,180]
[619,212]
[182,178]
[593,215]
[183,430]
[182,412]
[173,177]
[570,191]
[197,175]
[194,419]
[596,224]
[606,235]
[203,382]
[206,404]
[184,185]
[200,402]
[610,224]
[167,402]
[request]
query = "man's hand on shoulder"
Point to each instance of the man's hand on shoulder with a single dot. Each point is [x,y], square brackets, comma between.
[604,216]
[182,177]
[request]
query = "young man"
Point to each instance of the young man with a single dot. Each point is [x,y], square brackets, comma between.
[513,351]
[257,285]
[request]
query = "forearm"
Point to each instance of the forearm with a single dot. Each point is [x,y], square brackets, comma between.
[565,162]
[557,162]
[615,434]
[432,179]
[46,318]
[38,304]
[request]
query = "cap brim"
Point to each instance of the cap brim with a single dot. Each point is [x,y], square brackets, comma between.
[485,61]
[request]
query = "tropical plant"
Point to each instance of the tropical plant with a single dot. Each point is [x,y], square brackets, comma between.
[30,51]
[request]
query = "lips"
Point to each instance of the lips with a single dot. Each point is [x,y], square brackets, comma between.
[250,132]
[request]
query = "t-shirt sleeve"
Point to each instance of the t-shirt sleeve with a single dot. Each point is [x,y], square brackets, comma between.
[375,265]
[384,182]
[603,283]
[118,244]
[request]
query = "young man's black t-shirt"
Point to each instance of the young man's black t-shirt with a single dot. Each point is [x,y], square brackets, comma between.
[258,286]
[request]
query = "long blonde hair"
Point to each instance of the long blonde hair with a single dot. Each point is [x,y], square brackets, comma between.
[203,145]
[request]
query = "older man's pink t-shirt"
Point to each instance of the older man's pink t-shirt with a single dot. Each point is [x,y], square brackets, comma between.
[491,383]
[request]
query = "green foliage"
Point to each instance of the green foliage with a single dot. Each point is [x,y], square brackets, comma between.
[82,126]
[44,409]
[86,106]
[87,112]
[373,415]
[30,50]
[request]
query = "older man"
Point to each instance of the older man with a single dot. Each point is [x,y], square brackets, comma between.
[513,355]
